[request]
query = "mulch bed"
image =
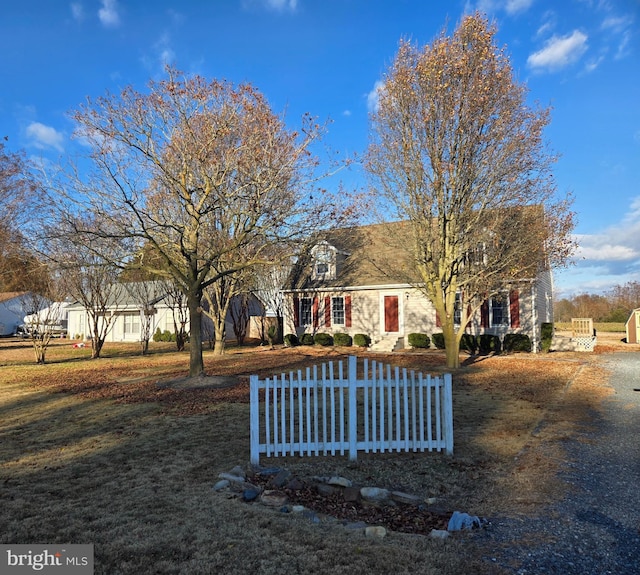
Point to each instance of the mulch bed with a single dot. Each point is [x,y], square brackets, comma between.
[404,518]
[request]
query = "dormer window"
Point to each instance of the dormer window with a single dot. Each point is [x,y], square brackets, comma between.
[324,261]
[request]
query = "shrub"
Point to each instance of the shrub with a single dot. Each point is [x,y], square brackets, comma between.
[291,340]
[517,342]
[342,339]
[157,336]
[361,340]
[438,340]
[419,340]
[469,343]
[546,333]
[489,343]
[323,339]
[307,339]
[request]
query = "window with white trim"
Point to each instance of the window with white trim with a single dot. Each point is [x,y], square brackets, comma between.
[324,266]
[306,311]
[337,311]
[131,323]
[499,312]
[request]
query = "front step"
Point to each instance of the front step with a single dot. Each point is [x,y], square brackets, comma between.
[387,344]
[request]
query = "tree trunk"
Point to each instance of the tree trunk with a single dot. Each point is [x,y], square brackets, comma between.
[219,342]
[196,363]
[451,343]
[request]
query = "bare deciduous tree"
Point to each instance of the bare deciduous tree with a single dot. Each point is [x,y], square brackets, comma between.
[204,173]
[460,155]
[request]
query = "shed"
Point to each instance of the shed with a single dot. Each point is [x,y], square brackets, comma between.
[632,327]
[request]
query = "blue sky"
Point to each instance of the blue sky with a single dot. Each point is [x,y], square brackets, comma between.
[581,57]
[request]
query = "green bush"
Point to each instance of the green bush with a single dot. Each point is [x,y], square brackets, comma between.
[342,339]
[469,343]
[157,336]
[517,342]
[489,343]
[291,340]
[361,340]
[419,340]
[307,339]
[438,340]
[323,339]
[546,334]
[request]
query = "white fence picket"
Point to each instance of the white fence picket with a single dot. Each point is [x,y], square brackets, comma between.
[385,410]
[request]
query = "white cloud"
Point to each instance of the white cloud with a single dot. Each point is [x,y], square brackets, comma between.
[559,52]
[346,113]
[44,137]
[373,97]
[108,14]
[77,11]
[515,6]
[604,259]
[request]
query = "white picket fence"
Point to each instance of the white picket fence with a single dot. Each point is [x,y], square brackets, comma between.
[325,411]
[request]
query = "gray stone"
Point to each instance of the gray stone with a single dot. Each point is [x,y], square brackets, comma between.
[237,470]
[280,479]
[375,531]
[374,494]
[460,521]
[405,498]
[232,477]
[339,481]
[439,534]
[325,490]
[298,508]
[250,494]
[295,484]
[272,498]
[222,484]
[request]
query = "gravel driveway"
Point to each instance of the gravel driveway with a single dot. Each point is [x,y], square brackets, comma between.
[596,529]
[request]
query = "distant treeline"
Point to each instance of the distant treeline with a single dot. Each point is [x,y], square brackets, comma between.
[614,305]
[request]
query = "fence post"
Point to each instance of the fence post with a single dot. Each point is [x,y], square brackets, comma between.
[353,408]
[447,414]
[255,420]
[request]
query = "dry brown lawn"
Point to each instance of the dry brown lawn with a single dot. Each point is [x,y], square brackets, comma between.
[94,451]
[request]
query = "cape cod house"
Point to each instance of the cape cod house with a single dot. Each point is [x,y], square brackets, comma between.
[345,284]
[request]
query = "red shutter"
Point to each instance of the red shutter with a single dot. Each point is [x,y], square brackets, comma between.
[327,311]
[484,314]
[296,312]
[314,312]
[514,308]
[347,311]
[438,321]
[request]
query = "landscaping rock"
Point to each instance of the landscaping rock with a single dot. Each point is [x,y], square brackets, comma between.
[339,481]
[406,498]
[375,531]
[460,521]
[325,490]
[280,479]
[222,484]
[250,494]
[374,494]
[272,498]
